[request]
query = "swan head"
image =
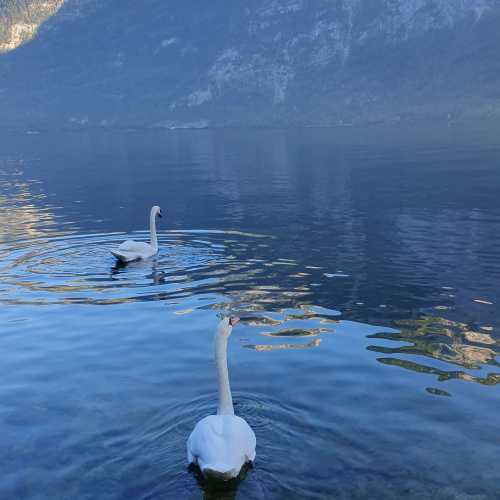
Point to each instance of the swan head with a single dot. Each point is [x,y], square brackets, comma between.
[156,211]
[226,324]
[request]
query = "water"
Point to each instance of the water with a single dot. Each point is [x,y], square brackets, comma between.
[365,265]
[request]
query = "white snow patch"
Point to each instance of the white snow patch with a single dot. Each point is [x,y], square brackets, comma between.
[199,97]
[167,42]
[279,7]
[173,125]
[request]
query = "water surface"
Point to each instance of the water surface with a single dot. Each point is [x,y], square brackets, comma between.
[365,265]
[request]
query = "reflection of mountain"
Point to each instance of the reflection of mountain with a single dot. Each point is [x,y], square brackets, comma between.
[21,215]
[442,375]
[294,324]
[309,188]
[296,332]
[443,340]
[271,347]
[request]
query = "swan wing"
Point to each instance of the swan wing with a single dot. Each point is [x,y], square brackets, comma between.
[221,444]
[131,250]
[135,246]
[250,442]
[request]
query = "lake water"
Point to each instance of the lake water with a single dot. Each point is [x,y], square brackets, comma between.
[365,265]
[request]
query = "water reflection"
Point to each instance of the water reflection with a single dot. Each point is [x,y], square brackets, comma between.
[437,392]
[271,347]
[73,270]
[219,490]
[375,227]
[444,340]
[24,211]
[442,375]
[76,268]
[297,332]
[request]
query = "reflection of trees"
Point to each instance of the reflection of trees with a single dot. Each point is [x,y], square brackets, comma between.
[444,340]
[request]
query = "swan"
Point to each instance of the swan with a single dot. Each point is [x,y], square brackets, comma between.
[220,445]
[131,250]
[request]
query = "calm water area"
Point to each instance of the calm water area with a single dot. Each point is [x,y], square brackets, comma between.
[365,267]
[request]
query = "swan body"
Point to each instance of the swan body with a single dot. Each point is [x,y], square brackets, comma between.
[220,445]
[130,250]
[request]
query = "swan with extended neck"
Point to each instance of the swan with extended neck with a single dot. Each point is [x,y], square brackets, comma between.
[130,250]
[220,445]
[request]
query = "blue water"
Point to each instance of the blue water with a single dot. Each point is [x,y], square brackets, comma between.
[365,265]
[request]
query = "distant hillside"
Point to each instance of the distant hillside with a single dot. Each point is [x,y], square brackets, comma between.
[261,62]
[20,19]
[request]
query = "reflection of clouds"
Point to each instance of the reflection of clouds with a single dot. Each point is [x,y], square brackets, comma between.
[443,340]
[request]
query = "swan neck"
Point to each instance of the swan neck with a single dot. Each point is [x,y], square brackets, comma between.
[152,230]
[225,399]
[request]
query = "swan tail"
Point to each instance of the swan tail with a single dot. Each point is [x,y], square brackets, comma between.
[123,256]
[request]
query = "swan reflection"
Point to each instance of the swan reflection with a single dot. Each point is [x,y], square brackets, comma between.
[219,490]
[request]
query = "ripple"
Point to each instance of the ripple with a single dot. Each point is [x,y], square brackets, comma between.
[79,269]
[226,272]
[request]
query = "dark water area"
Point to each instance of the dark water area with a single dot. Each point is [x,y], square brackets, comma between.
[365,265]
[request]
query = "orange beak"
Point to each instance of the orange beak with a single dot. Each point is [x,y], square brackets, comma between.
[233,320]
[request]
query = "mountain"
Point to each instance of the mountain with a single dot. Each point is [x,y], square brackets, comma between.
[261,62]
[20,19]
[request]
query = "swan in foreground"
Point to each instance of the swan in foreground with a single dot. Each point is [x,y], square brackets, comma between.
[222,444]
[131,250]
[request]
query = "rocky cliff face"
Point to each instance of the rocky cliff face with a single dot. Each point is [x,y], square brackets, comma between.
[20,19]
[261,62]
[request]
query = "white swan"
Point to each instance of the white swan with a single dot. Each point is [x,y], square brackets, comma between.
[131,250]
[221,444]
